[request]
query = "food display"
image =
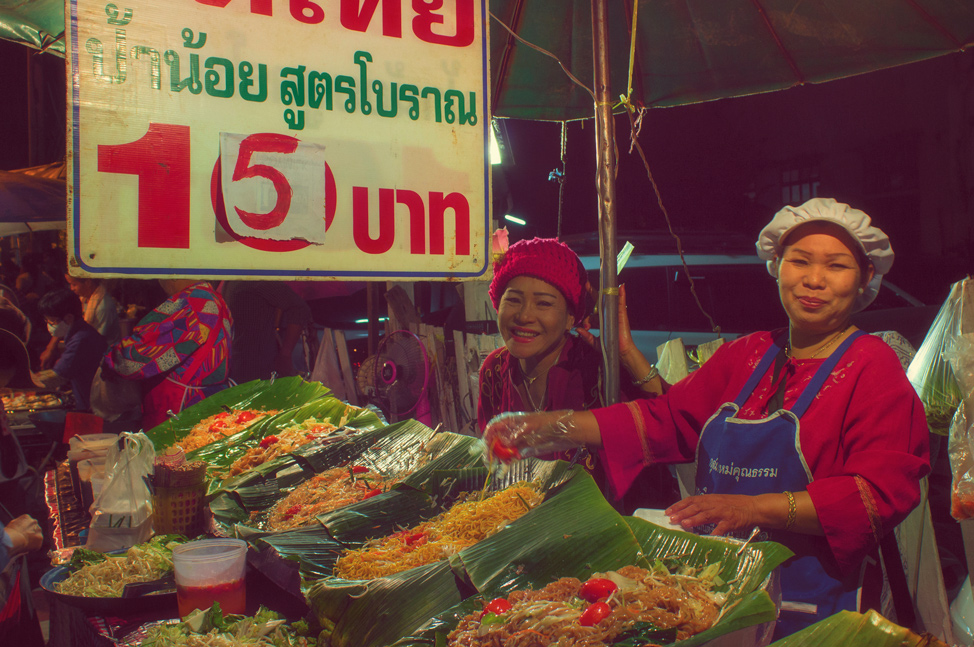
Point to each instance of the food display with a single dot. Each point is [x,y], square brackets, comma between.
[211,628]
[100,575]
[325,492]
[219,426]
[274,508]
[471,519]
[282,442]
[30,400]
[629,606]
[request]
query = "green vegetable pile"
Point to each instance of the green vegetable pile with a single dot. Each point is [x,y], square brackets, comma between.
[98,575]
[211,628]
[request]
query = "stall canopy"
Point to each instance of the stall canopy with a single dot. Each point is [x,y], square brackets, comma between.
[32,200]
[689,51]
[36,23]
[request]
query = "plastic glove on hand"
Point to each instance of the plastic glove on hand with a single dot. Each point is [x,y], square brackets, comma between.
[513,436]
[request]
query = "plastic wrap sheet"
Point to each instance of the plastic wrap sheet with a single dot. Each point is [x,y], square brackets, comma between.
[528,554]
[959,352]
[930,371]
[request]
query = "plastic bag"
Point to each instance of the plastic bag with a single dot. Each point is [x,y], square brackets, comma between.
[960,447]
[112,396]
[121,516]
[930,372]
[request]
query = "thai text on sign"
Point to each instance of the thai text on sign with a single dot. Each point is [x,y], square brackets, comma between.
[279,139]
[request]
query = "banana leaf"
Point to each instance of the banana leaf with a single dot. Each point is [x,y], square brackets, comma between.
[407,447]
[569,491]
[284,393]
[220,455]
[554,540]
[235,499]
[851,629]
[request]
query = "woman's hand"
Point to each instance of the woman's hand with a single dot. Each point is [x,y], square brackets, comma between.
[25,534]
[742,512]
[626,345]
[511,436]
[729,512]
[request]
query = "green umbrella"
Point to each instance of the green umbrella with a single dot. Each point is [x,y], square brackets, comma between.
[688,51]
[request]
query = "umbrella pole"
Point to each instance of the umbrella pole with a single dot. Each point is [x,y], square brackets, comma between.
[606,184]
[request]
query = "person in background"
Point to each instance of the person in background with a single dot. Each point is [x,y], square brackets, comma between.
[180,351]
[540,292]
[20,536]
[12,319]
[100,309]
[83,346]
[268,318]
[18,622]
[813,433]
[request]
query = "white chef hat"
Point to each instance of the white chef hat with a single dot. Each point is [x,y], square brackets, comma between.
[873,243]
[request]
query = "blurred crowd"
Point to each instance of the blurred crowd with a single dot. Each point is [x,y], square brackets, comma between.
[136,351]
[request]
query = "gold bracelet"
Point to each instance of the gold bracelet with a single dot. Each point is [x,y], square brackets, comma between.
[792,510]
[653,372]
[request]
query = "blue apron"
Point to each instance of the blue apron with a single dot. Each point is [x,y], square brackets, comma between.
[753,457]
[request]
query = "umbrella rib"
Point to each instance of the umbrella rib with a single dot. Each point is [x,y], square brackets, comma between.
[935,24]
[547,53]
[508,49]
[777,40]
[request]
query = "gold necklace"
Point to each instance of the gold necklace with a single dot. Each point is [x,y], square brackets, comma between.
[822,348]
[544,394]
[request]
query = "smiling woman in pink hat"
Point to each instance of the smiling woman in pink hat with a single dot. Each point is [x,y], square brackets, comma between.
[540,292]
[812,433]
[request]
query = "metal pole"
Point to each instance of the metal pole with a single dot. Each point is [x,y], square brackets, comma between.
[606,183]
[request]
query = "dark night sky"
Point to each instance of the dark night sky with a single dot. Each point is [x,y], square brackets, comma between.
[708,158]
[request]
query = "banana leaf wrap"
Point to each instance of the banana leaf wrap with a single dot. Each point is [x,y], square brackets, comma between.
[851,629]
[260,488]
[408,447]
[553,540]
[281,394]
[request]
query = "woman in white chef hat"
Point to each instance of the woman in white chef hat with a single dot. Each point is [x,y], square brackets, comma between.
[811,433]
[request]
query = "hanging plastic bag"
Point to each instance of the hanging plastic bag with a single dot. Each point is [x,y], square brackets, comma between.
[959,354]
[121,516]
[930,372]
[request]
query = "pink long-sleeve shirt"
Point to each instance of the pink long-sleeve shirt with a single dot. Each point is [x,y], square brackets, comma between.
[864,437]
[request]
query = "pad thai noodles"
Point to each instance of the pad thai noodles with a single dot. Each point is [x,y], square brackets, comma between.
[219,426]
[280,443]
[98,575]
[330,490]
[648,607]
[467,522]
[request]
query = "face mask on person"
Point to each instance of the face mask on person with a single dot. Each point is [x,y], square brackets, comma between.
[59,330]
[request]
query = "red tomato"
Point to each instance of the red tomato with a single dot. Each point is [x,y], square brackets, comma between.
[497,606]
[359,469]
[245,416]
[217,426]
[594,614]
[416,538]
[597,589]
[371,493]
[293,510]
[221,416]
[503,452]
[268,441]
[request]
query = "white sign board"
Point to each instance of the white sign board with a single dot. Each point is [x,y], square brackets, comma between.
[279,138]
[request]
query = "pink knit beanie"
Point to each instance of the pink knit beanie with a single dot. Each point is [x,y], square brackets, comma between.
[546,259]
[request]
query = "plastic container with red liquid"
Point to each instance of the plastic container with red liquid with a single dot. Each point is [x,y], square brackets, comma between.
[208,571]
